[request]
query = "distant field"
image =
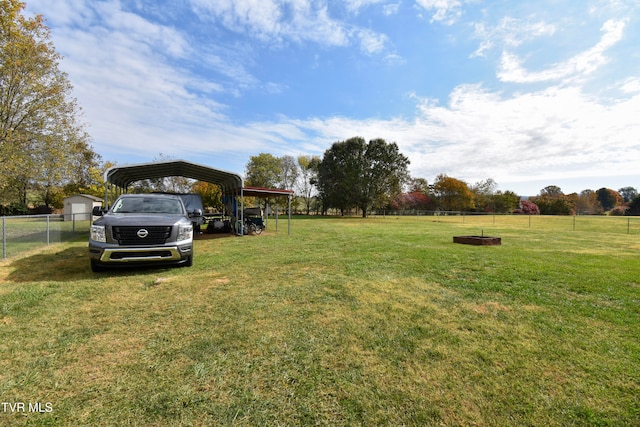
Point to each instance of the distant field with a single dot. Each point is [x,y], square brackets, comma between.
[377,321]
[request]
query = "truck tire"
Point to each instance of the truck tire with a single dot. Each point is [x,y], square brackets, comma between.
[95,267]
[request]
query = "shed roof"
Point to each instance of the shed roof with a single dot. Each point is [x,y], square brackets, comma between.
[123,176]
[86,196]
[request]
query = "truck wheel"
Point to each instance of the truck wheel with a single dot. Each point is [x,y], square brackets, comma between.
[95,267]
[189,262]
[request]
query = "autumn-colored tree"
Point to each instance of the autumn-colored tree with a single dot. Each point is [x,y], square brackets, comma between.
[211,194]
[453,194]
[42,145]
[417,200]
[527,207]
[552,201]
[587,203]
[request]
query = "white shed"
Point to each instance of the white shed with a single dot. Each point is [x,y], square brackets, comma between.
[79,207]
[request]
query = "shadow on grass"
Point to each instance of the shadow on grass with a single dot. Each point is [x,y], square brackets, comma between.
[67,265]
[64,265]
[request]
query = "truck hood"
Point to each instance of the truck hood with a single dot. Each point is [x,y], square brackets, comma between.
[141,220]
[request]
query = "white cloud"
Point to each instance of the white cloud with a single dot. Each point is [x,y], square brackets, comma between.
[279,22]
[548,134]
[631,86]
[391,9]
[510,32]
[580,65]
[372,42]
[444,11]
[260,18]
[481,134]
[354,6]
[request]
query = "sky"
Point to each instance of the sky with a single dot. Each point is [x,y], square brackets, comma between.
[527,93]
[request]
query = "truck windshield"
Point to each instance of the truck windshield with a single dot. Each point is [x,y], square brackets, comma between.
[147,205]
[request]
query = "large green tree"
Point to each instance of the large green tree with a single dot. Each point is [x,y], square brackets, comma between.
[42,145]
[308,177]
[264,170]
[354,173]
[609,198]
[628,193]
[634,207]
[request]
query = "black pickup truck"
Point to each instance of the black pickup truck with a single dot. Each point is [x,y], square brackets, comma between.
[142,229]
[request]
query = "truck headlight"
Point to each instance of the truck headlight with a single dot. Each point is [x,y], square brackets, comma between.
[185,232]
[98,234]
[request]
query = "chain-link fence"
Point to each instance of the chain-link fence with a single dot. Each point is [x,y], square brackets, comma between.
[28,232]
[24,233]
[581,223]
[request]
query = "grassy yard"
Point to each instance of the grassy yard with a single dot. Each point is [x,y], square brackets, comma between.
[378,321]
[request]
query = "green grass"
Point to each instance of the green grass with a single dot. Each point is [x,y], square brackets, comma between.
[382,321]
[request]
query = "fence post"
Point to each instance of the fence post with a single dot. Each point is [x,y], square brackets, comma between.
[574,223]
[628,225]
[4,239]
[48,240]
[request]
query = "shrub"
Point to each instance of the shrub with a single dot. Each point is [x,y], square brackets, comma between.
[527,208]
[618,211]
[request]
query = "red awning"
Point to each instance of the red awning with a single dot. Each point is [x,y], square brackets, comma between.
[265,192]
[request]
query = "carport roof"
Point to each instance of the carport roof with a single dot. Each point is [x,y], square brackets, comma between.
[265,192]
[123,176]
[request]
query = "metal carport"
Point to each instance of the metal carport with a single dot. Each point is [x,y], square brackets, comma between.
[118,178]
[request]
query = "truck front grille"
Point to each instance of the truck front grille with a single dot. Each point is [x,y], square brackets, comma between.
[135,236]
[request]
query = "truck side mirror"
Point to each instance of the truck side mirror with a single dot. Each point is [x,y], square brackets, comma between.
[196,212]
[97,211]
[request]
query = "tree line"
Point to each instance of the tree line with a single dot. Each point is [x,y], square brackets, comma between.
[356,176]
[46,155]
[359,176]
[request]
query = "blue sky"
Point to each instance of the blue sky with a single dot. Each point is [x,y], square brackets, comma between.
[529,94]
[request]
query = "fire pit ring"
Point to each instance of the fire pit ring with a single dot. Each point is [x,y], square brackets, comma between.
[478,240]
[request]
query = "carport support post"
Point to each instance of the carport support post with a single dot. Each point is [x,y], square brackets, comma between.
[242,212]
[289,225]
